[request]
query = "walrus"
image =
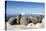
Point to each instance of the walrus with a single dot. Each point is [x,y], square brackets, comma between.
[15,20]
[24,20]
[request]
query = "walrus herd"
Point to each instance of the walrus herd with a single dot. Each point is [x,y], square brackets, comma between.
[24,20]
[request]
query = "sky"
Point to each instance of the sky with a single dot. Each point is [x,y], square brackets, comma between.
[17,7]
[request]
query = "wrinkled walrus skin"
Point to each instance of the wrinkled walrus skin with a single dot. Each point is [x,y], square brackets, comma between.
[24,20]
